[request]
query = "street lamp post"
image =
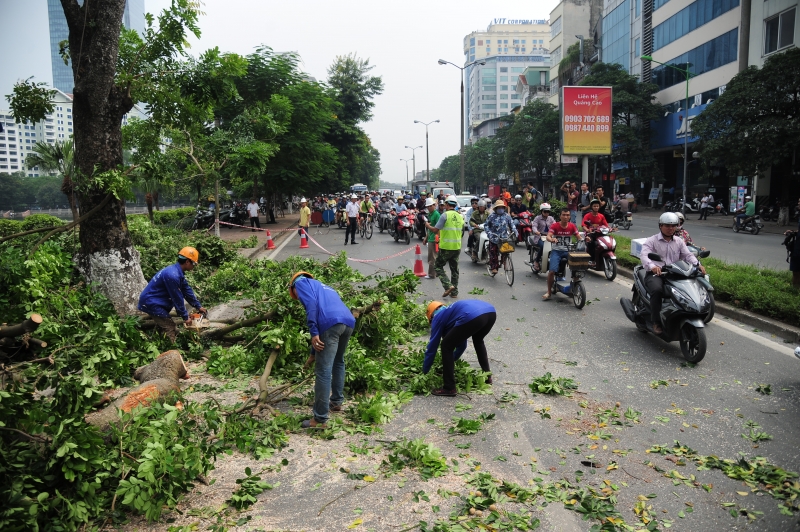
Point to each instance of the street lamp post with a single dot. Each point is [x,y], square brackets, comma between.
[406,160]
[687,75]
[461,147]
[413,160]
[427,153]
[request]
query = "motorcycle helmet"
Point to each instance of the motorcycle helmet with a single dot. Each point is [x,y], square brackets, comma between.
[303,200]
[517,197]
[429,202]
[680,217]
[451,200]
[433,306]
[292,291]
[668,218]
[481,203]
[544,207]
[189,253]
[484,195]
[594,201]
[747,197]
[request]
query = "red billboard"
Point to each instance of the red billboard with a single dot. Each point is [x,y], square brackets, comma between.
[586,121]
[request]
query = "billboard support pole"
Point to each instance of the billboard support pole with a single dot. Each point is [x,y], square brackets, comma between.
[585,169]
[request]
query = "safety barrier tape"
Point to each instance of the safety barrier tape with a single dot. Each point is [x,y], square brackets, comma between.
[360,260]
[256,228]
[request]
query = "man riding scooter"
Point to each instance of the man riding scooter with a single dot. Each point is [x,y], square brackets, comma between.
[541,224]
[670,249]
[476,221]
[749,209]
[590,223]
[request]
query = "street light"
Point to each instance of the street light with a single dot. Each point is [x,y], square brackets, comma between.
[687,74]
[461,148]
[413,160]
[427,154]
[406,160]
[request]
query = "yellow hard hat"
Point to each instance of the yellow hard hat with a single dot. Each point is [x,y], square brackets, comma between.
[292,292]
[432,307]
[189,253]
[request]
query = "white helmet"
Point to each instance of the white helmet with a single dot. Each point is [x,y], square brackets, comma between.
[354,196]
[481,203]
[303,200]
[681,217]
[668,218]
[544,207]
[429,202]
[517,197]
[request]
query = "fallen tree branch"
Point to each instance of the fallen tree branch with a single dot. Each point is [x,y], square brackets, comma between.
[29,437]
[27,326]
[219,333]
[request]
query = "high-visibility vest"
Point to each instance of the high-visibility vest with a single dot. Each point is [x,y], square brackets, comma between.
[450,234]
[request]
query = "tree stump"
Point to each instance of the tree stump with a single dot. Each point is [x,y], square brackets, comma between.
[168,365]
[142,395]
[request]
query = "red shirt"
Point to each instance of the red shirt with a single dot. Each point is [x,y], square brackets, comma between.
[563,235]
[593,220]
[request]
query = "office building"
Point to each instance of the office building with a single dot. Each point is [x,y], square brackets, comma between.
[774,28]
[568,20]
[508,47]
[132,18]
[533,84]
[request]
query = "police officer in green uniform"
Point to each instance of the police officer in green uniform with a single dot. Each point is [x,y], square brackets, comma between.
[449,229]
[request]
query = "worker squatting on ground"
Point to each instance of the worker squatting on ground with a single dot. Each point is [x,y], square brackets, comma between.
[167,290]
[331,325]
[451,326]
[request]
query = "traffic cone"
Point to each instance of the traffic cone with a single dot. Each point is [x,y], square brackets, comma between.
[419,269]
[270,243]
[303,240]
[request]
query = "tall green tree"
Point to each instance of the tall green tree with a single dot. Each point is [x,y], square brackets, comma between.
[755,123]
[531,140]
[57,157]
[633,107]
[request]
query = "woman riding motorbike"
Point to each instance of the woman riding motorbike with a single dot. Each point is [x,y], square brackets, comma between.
[541,223]
[476,221]
[498,226]
[681,232]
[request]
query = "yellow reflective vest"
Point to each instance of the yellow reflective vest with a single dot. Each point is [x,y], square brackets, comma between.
[450,234]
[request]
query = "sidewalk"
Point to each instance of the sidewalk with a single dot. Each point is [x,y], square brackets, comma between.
[279,230]
[718,220]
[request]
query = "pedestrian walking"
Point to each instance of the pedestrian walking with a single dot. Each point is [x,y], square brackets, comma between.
[331,324]
[451,327]
[433,218]
[167,290]
[252,210]
[448,227]
[352,220]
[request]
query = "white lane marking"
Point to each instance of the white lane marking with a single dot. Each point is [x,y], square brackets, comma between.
[732,326]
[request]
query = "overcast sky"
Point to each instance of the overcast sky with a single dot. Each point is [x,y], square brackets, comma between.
[402,39]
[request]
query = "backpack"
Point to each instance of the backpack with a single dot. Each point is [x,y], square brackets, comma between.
[789,243]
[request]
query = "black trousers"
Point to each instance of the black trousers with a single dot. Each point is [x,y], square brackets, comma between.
[655,287]
[352,228]
[703,213]
[254,222]
[477,329]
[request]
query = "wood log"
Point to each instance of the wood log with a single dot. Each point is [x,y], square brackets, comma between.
[143,395]
[360,311]
[219,333]
[168,365]
[27,326]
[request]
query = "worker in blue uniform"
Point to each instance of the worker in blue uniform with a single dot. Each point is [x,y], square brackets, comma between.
[167,290]
[452,325]
[331,325]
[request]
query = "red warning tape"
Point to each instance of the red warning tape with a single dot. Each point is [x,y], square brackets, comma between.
[360,260]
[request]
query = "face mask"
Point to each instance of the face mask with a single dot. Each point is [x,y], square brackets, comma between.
[500,211]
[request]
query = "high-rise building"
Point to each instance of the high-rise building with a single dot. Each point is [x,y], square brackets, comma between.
[132,18]
[774,28]
[508,47]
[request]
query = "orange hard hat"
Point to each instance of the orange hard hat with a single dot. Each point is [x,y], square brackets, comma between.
[432,307]
[294,277]
[189,253]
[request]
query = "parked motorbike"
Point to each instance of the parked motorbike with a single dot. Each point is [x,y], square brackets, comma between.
[719,208]
[771,213]
[578,263]
[203,218]
[620,219]
[384,220]
[751,224]
[668,206]
[237,215]
[686,305]
[604,258]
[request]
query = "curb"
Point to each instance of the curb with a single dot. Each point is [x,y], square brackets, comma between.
[280,236]
[778,328]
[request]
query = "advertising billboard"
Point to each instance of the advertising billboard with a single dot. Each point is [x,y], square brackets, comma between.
[586,120]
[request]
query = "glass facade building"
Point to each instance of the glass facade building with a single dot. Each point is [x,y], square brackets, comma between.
[706,57]
[132,18]
[617,36]
[689,19]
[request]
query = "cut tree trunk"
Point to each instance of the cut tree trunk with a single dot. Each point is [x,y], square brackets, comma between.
[68,188]
[142,395]
[148,199]
[107,258]
[27,326]
[155,201]
[168,365]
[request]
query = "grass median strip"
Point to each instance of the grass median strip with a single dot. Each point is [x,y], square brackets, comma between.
[761,290]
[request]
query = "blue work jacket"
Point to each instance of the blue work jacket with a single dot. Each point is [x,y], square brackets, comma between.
[324,307]
[448,317]
[167,290]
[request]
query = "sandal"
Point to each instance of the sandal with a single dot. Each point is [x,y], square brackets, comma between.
[546,297]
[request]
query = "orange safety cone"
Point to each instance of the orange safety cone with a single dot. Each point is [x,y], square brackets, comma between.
[303,240]
[419,269]
[270,243]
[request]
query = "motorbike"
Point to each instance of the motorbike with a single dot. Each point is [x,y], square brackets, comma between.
[481,252]
[604,258]
[384,220]
[668,206]
[703,253]
[686,305]
[419,224]
[620,219]
[578,263]
[692,206]
[751,224]
[525,227]
[771,213]
[203,218]
[718,208]
[341,218]
[237,215]
[402,227]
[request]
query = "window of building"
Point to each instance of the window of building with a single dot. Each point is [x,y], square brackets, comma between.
[706,57]
[515,96]
[504,96]
[637,49]
[503,69]
[523,49]
[690,18]
[555,56]
[658,3]
[517,69]
[488,97]
[489,88]
[617,35]
[555,27]
[489,106]
[779,31]
[472,41]
[638,8]
[505,41]
[488,42]
[488,50]
[503,78]
[503,87]
[503,106]
[480,42]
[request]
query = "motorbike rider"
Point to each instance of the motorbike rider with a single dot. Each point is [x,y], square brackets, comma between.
[541,224]
[671,250]
[516,207]
[498,226]
[560,234]
[592,221]
[749,209]
[476,223]
[681,232]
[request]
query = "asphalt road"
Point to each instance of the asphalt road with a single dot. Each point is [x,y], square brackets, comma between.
[705,407]
[763,249]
